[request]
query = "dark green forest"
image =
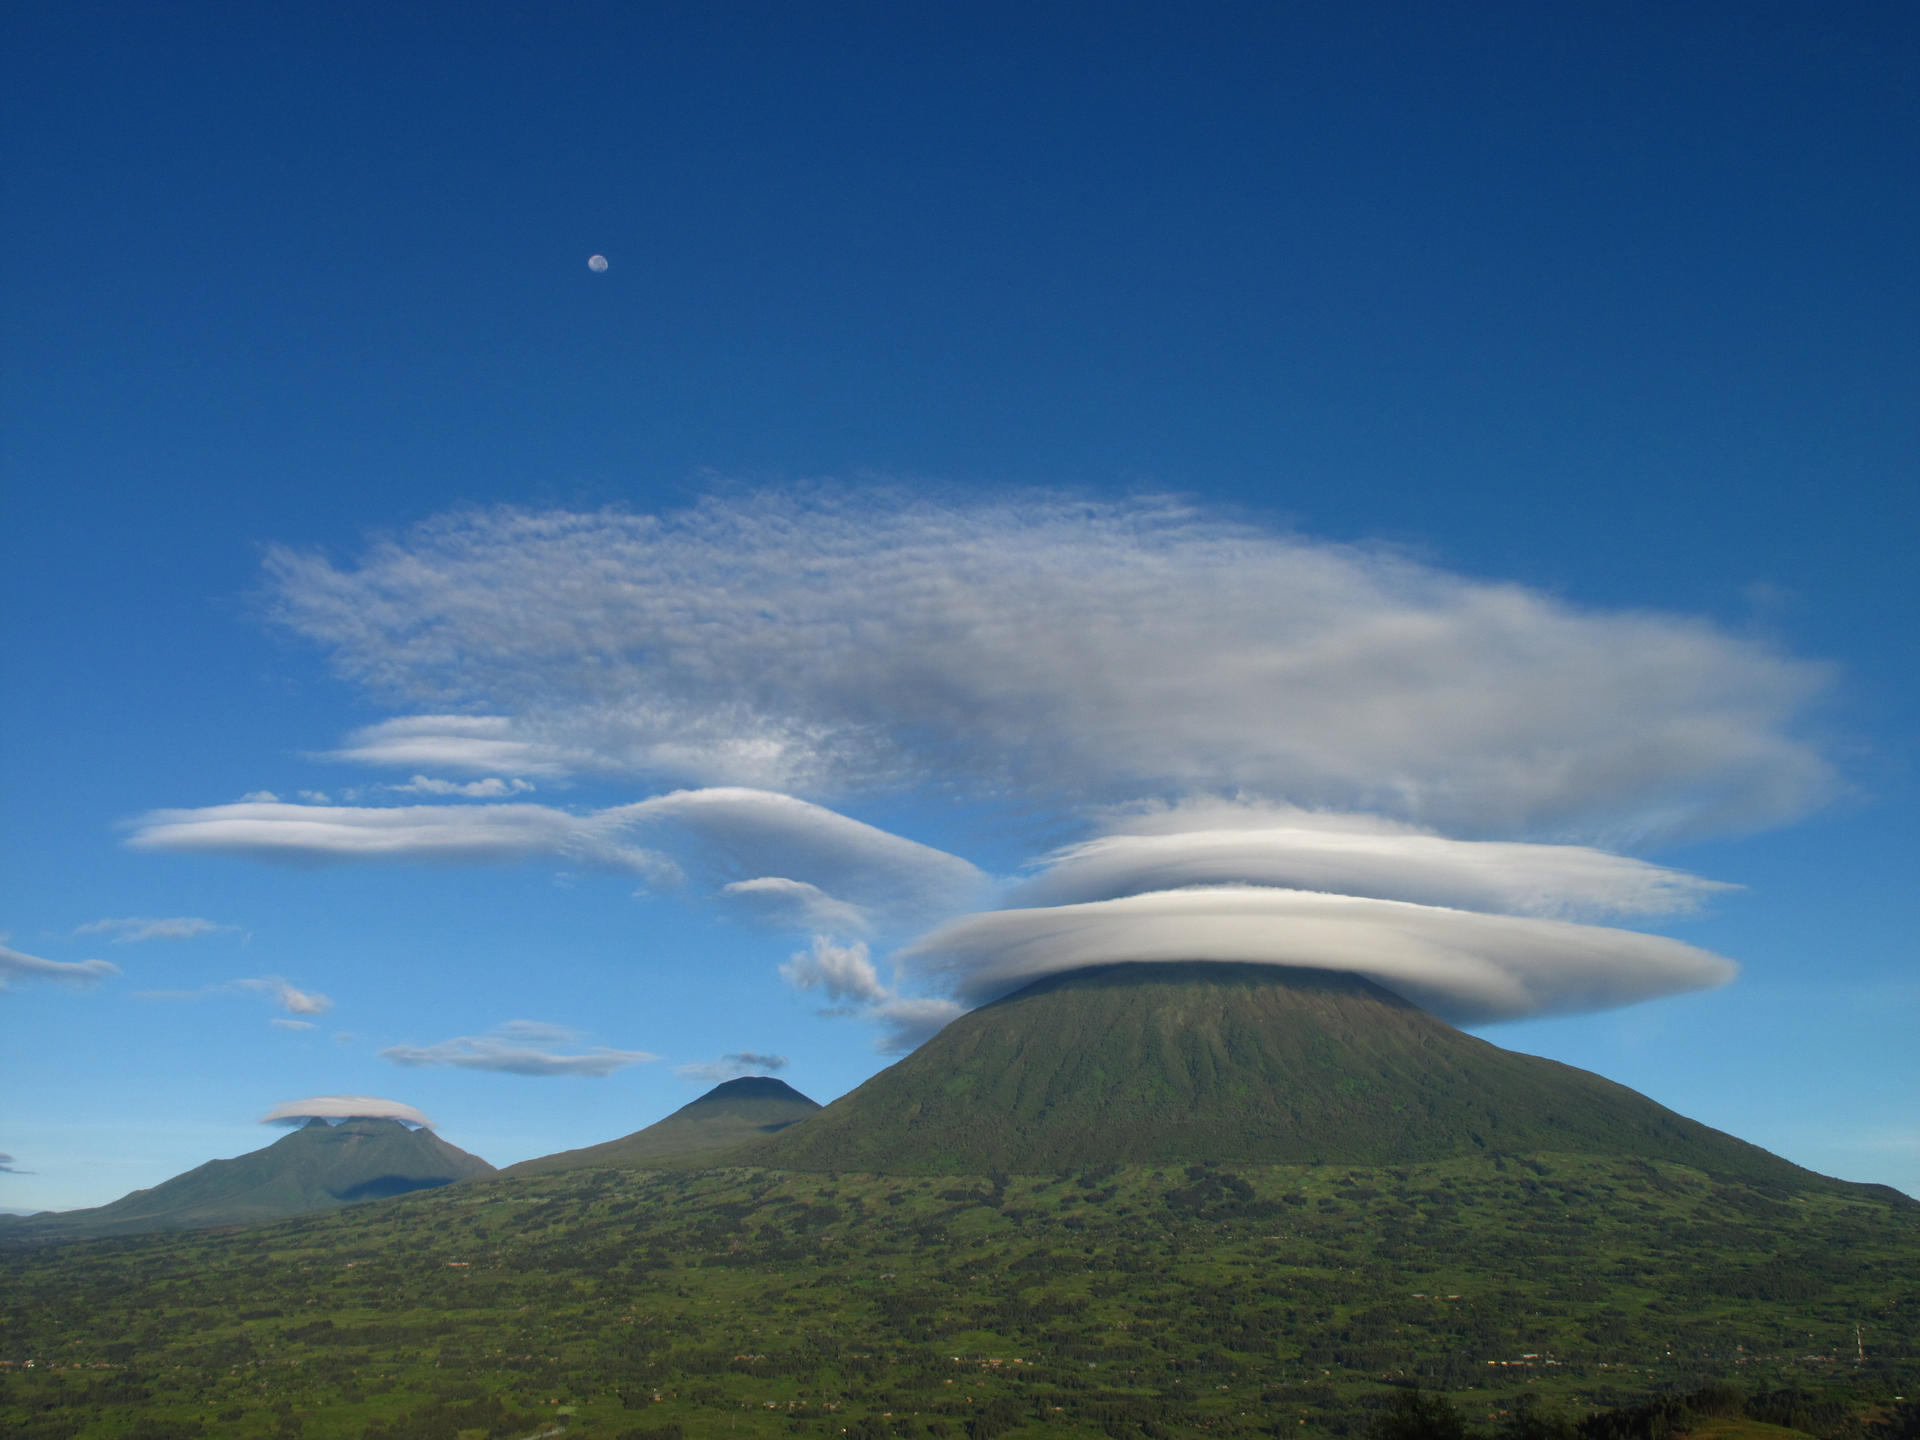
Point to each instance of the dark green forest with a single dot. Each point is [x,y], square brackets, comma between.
[1521,1296]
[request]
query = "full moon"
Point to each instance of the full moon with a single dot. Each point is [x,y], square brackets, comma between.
[596,263]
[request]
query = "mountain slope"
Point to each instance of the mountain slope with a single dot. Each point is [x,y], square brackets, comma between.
[725,1118]
[320,1166]
[1167,1063]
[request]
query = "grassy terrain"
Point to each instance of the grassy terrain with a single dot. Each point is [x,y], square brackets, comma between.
[1137,1301]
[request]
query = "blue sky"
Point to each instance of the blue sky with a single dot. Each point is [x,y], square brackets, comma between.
[1245,445]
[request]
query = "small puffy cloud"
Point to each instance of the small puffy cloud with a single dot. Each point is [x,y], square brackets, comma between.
[846,975]
[520,1047]
[132,929]
[1463,966]
[1226,844]
[343,1107]
[731,1067]
[841,972]
[17,965]
[281,1022]
[260,797]
[294,1000]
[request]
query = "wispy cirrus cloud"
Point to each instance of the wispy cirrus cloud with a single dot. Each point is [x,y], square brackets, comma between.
[1085,651]
[133,929]
[519,1047]
[18,965]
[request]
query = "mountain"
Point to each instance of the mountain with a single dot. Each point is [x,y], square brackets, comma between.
[320,1166]
[1197,1062]
[725,1118]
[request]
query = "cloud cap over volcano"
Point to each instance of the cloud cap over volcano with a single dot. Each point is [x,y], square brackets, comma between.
[343,1107]
[1463,966]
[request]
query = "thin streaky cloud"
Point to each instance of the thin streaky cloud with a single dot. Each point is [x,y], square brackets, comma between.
[513,1051]
[18,965]
[133,929]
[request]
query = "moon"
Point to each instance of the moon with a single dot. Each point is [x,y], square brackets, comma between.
[597,263]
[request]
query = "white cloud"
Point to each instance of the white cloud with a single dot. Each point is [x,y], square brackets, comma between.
[775,842]
[1220,844]
[486,744]
[732,1067]
[131,929]
[282,1023]
[1463,966]
[343,1107]
[795,905]
[774,847]
[17,965]
[295,1001]
[520,1047]
[841,972]
[1087,651]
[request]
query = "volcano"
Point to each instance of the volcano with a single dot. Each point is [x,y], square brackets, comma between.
[1212,1062]
[320,1166]
[722,1120]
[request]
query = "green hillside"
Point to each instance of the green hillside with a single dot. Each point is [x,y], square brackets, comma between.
[725,1118]
[320,1166]
[1157,1064]
[1135,1303]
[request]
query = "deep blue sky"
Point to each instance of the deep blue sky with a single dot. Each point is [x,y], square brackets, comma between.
[1616,302]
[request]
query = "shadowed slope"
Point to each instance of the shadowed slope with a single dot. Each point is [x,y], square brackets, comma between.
[318,1167]
[1166,1063]
[725,1118]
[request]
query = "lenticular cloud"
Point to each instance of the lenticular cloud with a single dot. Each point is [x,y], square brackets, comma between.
[1078,652]
[1279,750]
[1466,967]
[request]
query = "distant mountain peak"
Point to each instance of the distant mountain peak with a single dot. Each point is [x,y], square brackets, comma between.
[704,1131]
[319,1166]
